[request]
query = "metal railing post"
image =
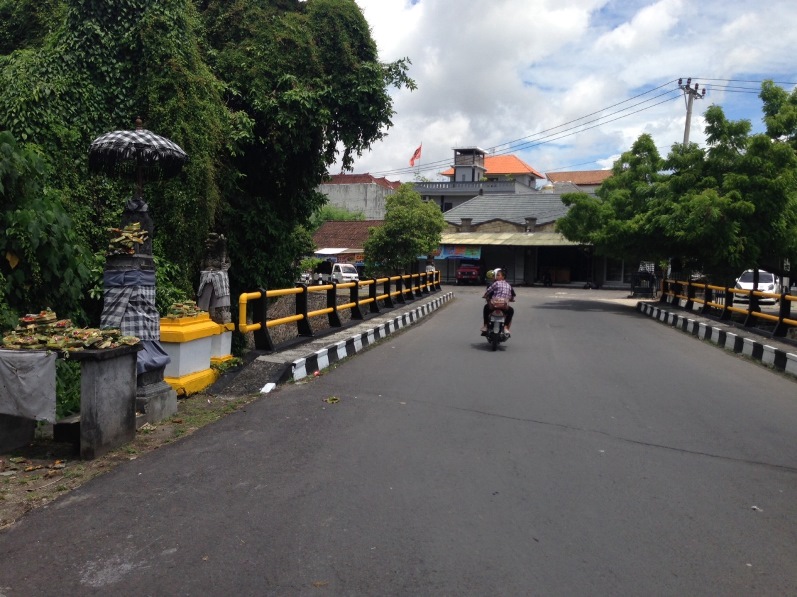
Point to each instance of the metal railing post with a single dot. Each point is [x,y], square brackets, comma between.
[354,297]
[372,293]
[707,298]
[303,325]
[332,302]
[690,296]
[784,312]
[726,305]
[386,291]
[400,290]
[261,337]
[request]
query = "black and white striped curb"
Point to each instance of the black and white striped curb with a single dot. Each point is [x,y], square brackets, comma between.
[321,359]
[776,358]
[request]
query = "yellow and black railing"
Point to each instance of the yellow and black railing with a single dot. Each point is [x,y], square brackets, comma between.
[710,299]
[381,293]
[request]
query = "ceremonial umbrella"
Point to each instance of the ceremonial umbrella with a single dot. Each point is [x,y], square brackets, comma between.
[137,153]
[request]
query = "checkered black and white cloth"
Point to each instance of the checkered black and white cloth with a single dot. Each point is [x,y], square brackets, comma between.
[214,290]
[129,304]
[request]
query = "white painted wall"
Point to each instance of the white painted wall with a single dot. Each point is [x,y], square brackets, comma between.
[368,198]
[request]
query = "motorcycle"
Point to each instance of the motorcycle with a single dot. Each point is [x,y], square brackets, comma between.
[495,327]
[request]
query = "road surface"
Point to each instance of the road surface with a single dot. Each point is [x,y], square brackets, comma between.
[596,453]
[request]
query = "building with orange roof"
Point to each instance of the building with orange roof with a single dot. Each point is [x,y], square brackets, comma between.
[475,173]
[586,180]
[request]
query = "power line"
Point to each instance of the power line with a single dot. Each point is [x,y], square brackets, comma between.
[554,136]
[586,115]
[741,81]
[541,138]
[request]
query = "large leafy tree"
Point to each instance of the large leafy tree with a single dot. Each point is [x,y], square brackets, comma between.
[412,228]
[262,94]
[97,67]
[725,208]
[616,222]
[41,261]
[304,83]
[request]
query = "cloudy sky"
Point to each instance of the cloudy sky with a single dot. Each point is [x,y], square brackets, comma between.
[569,84]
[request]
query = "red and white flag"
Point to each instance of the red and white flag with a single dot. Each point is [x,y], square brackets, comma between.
[416,155]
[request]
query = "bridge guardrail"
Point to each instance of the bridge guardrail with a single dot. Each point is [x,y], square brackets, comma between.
[394,289]
[710,299]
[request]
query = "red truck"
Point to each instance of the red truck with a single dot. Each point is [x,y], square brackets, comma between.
[469,273]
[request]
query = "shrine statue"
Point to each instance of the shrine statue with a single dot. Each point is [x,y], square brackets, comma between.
[213,295]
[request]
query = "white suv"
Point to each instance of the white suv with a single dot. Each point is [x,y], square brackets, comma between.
[767,282]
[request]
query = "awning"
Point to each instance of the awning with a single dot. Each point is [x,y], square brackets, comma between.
[458,252]
[331,251]
[507,239]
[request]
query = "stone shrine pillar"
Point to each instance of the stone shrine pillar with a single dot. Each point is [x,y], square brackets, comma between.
[129,304]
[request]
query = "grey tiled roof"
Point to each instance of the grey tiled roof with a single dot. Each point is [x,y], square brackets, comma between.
[546,207]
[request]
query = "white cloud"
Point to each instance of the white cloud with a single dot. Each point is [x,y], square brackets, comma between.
[493,71]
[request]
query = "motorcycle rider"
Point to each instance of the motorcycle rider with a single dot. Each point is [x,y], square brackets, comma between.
[498,289]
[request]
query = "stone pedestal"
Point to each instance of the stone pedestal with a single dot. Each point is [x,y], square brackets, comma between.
[107,399]
[154,397]
[107,404]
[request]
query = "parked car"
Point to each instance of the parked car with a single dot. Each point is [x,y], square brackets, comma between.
[469,273]
[344,272]
[767,282]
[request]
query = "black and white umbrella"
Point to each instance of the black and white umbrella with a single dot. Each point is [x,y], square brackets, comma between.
[139,154]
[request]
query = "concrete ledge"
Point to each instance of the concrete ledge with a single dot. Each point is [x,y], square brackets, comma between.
[751,348]
[321,359]
[791,364]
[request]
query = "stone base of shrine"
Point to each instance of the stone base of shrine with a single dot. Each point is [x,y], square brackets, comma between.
[155,398]
[192,383]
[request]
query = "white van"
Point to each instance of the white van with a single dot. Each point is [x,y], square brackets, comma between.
[344,272]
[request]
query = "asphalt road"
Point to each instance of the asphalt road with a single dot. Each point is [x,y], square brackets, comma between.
[596,453]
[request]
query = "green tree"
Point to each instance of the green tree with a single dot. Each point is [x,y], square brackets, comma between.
[412,228]
[616,221]
[731,206]
[97,67]
[305,84]
[756,174]
[262,95]
[42,263]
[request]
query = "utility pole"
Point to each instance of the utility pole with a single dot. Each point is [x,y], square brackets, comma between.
[690,94]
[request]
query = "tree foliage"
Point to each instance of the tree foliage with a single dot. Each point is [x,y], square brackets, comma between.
[304,82]
[41,261]
[616,221]
[728,207]
[412,228]
[262,95]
